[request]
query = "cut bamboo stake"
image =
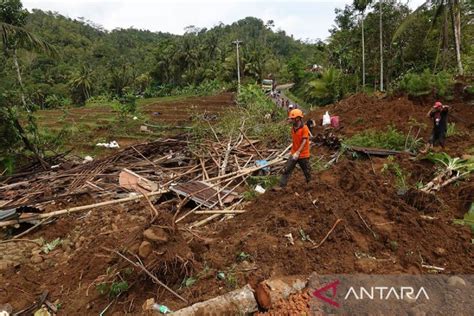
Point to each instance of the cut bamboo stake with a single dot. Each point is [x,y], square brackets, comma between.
[78,209]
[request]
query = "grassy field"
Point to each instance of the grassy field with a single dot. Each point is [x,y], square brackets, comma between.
[80,129]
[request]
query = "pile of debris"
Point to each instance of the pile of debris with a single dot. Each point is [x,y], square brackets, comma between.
[209,174]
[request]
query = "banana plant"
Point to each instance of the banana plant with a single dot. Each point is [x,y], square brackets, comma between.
[452,170]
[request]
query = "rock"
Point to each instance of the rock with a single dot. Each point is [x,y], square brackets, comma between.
[418,310]
[145,249]
[456,281]
[366,265]
[6,308]
[262,294]
[148,305]
[441,252]
[4,265]
[36,259]
[393,245]
[36,251]
[157,235]
[44,265]
[134,248]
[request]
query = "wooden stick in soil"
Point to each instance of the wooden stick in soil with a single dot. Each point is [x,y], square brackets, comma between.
[77,209]
[140,266]
[329,233]
[151,206]
[363,221]
[220,212]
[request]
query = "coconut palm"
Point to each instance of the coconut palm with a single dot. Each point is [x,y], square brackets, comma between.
[361,6]
[442,10]
[81,84]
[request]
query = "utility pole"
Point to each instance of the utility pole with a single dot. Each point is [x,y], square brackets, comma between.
[237,42]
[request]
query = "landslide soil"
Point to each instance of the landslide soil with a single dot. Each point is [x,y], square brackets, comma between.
[381,231]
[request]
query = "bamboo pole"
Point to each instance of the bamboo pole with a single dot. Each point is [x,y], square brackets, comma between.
[78,209]
[251,144]
[221,212]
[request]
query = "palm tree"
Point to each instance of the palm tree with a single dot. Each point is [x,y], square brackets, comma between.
[441,8]
[81,84]
[361,6]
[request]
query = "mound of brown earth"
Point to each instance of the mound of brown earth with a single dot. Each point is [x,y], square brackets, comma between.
[350,219]
[361,112]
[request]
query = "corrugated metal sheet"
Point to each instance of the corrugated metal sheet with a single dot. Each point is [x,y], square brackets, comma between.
[200,192]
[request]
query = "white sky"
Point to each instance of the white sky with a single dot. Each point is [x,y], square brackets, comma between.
[305,19]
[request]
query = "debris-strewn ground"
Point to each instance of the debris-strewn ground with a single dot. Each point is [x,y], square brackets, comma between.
[382,231]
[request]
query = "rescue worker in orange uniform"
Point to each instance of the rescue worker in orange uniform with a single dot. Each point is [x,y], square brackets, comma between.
[299,150]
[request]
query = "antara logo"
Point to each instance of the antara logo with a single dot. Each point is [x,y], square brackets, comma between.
[371,293]
[386,293]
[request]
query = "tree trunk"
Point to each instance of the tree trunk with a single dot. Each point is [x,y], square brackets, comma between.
[363,53]
[381,46]
[20,81]
[456,19]
[445,39]
[29,145]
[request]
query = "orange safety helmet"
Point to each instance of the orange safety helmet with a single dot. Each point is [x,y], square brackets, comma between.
[295,113]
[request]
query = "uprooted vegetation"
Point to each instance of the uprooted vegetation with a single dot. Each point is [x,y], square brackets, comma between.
[353,218]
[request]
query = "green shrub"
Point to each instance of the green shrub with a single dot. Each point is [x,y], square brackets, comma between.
[415,84]
[390,139]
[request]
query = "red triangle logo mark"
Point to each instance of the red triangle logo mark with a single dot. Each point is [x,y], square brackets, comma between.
[319,293]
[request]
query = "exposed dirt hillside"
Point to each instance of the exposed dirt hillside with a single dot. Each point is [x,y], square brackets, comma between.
[381,231]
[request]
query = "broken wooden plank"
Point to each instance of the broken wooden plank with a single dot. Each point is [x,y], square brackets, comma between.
[132,181]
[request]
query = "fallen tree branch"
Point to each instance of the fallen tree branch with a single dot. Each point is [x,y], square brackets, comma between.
[329,233]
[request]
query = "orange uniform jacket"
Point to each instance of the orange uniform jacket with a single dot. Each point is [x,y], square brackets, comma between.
[298,135]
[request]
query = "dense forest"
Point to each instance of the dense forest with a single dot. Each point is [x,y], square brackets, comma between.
[52,61]
[92,61]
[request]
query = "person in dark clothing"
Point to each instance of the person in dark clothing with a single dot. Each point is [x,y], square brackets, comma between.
[439,115]
[299,151]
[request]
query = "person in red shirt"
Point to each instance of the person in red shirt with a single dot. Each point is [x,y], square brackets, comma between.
[299,149]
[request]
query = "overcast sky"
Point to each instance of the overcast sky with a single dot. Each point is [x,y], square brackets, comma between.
[310,19]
